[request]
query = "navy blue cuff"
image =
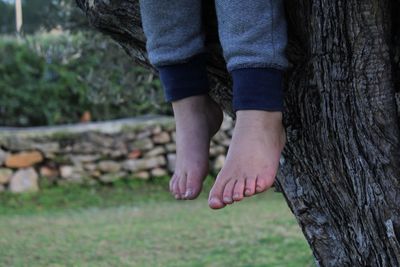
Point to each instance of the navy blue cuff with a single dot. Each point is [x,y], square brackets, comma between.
[257,89]
[185,79]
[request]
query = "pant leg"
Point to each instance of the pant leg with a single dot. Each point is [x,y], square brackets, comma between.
[175,45]
[253,36]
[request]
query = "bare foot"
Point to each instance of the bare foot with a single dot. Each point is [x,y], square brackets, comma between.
[197,118]
[253,157]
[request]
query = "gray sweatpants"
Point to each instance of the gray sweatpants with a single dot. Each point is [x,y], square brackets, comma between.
[253,38]
[252,32]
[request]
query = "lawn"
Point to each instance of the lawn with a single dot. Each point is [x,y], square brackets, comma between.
[138,224]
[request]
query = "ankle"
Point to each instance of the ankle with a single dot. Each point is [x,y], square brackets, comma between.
[190,104]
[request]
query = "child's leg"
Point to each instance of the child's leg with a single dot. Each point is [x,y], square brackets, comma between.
[253,36]
[175,44]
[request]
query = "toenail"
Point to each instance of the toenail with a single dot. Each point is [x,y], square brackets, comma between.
[236,196]
[189,193]
[247,192]
[177,196]
[215,200]
[258,188]
[227,199]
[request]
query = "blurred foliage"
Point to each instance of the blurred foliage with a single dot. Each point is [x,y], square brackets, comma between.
[53,79]
[7,18]
[42,15]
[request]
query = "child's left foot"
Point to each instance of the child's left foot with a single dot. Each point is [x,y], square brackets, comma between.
[253,157]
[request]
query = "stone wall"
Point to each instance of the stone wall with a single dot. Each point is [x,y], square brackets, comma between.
[93,153]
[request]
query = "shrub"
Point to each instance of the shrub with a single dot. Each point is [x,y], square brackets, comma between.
[53,79]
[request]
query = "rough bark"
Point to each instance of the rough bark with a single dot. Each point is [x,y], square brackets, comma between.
[341,169]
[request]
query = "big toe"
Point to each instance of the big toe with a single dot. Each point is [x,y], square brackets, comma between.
[215,203]
[215,199]
[193,185]
[175,183]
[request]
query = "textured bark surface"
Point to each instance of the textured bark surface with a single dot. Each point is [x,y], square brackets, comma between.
[341,169]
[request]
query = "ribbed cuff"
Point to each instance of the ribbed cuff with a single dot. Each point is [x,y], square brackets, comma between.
[257,89]
[185,79]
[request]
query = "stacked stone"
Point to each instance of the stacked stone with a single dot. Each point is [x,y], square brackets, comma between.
[96,153]
[25,177]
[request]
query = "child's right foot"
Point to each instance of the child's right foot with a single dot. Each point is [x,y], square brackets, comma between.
[197,119]
[253,157]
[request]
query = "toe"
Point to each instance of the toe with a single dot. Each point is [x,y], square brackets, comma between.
[216,203]
[228,192]
[262,184]
[215,198]
[182,186]
[194,183]
[175,187]
[250,187]
[238,190]
[171,184]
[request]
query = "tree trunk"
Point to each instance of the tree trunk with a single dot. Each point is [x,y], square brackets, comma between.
[341,169]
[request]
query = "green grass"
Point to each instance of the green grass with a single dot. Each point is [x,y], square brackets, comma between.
[138,224]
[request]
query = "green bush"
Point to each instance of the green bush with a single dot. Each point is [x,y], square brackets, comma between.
[53,79]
